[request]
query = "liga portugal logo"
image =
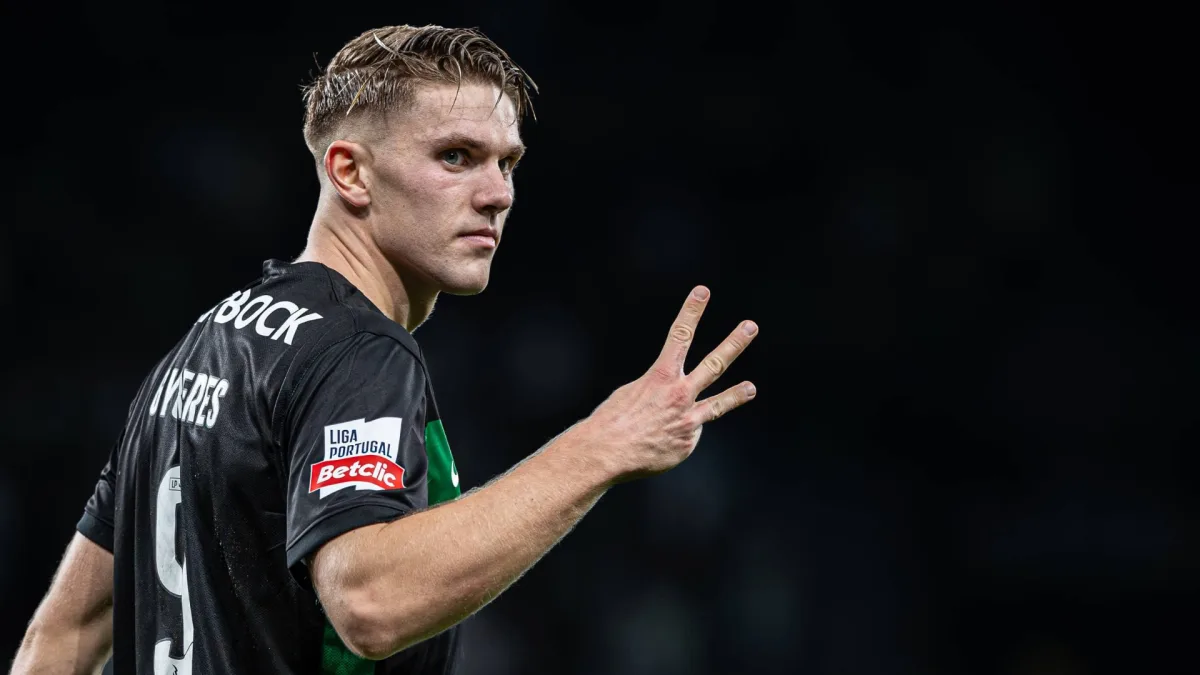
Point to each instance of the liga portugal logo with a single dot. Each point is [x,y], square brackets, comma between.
[359,454]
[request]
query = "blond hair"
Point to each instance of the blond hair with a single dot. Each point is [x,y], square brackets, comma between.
[378,71]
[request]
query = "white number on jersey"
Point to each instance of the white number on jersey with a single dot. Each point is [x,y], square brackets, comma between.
[172,575]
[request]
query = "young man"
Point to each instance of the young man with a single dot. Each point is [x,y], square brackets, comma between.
[268,507]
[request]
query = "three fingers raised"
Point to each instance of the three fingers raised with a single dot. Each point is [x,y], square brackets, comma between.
[674,353]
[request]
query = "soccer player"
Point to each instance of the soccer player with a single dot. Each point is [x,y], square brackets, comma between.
[282,498]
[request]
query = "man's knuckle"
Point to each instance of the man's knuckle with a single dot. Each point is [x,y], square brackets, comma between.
[715,364]
[716,409]
[681,332]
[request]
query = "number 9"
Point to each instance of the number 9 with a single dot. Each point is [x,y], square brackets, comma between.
[171,574]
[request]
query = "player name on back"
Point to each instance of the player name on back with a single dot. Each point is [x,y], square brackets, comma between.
[189,397]
[271,318]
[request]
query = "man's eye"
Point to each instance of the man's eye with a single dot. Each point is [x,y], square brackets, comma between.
[454,157]
[507,165]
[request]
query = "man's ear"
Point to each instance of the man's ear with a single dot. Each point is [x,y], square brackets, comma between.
[344,164]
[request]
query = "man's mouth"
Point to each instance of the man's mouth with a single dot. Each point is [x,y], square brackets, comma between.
[484,236]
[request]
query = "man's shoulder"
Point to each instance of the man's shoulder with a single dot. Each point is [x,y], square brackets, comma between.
[305,308]
[355,331]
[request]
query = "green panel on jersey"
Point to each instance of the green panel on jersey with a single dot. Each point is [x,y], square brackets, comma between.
[443,475]
[337,659]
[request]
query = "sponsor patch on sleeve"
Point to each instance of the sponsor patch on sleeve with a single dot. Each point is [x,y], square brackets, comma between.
[361,454]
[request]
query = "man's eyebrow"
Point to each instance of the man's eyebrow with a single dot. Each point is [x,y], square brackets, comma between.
[464,141]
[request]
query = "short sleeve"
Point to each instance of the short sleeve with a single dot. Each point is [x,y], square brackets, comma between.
[353,441]
[97,521]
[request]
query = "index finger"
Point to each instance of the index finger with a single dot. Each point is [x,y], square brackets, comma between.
[683,330]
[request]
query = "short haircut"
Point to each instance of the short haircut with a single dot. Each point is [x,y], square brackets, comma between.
[378,71]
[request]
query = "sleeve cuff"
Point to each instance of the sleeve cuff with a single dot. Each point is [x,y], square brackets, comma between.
[338,523]
[100,532]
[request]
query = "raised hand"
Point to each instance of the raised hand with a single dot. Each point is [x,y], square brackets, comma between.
[653,423]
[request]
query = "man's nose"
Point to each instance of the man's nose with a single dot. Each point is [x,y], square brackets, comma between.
[495,193]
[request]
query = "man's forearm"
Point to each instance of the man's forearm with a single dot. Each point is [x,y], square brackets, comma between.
[76,651]
[407,580]
[72,630]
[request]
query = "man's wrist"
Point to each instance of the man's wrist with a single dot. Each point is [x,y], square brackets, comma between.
[586,455]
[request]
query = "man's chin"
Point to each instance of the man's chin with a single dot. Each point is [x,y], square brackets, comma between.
[465,286]
[468,277]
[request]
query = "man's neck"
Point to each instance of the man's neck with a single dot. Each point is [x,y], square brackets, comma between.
[349,251]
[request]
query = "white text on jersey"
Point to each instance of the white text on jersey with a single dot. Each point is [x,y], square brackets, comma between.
[190,397]
[243,311]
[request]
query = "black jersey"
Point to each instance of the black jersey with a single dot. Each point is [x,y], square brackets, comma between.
[292,412]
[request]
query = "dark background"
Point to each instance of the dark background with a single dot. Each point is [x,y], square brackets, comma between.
[964,228]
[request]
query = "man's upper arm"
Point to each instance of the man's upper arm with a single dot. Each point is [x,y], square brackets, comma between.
[354,442]
[82,591]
